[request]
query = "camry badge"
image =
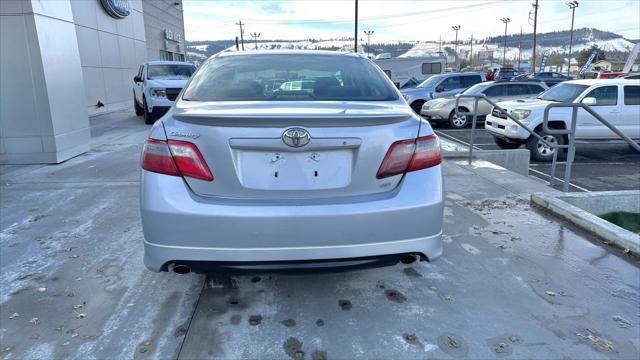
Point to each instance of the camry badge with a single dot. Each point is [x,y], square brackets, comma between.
[296,137]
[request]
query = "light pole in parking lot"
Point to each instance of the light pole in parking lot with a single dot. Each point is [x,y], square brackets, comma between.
[572,5]
[355,37]
[368,33]
[504,51]
[255,36]
[455,47]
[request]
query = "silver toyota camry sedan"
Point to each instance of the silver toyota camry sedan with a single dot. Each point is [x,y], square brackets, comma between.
[277,159]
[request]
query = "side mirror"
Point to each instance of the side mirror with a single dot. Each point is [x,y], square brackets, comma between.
[589,101]
[137,79]
[439,88]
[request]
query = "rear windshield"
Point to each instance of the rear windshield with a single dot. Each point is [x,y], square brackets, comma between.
[281,77]
[169,72]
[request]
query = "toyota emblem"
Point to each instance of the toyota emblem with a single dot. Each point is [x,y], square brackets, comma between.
[296,137]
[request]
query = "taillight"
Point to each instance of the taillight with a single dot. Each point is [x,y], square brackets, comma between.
[410,155]
[176,158]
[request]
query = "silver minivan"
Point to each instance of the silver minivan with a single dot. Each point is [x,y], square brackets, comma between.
[331,167]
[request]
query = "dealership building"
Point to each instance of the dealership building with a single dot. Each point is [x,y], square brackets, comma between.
[62,61]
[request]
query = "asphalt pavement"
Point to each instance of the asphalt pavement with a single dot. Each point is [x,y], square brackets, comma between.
[597,167]
[513,282]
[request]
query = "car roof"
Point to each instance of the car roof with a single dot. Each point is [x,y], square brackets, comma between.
[287,52]
[460,73]
[590,82]
[165,62]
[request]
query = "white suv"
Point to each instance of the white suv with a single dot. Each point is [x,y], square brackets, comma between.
[616,100]
[157,85]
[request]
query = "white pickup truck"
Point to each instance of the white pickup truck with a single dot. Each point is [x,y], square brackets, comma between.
[157,85]
[616,100]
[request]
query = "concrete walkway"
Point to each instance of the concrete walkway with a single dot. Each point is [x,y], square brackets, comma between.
[513,281]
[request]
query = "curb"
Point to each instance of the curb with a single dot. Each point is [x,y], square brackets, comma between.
[609,232]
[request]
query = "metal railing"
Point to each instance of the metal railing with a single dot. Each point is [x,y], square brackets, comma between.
[570,133]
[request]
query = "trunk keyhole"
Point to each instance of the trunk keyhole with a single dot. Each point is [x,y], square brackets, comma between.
[275,174]
[315,173]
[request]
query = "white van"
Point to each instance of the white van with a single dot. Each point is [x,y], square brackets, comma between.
[616,100]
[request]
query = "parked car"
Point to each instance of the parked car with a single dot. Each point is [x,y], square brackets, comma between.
[157,85]
[438,86]
[610,74]
[616,100]
[443,109]
[549,78]
[506,74]
[237,174]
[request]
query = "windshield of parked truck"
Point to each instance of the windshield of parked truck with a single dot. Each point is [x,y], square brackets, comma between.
[430,82]
[563,92]
[279,77]
[170,72]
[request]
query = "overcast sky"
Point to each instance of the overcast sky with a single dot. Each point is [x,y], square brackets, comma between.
[399,19]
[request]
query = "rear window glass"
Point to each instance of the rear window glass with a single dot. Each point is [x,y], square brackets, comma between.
[632,95]
[281,77]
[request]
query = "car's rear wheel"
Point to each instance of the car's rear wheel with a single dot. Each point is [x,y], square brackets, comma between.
[417,106]
[459,121]
[148,117]
[138,109]
[539,150]
[507,145]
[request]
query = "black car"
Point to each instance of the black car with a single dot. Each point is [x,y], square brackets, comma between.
[550,78]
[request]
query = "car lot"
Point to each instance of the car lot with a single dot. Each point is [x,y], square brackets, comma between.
[597,167]
[513,282]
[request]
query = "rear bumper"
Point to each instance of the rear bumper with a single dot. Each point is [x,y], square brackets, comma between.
[182,227]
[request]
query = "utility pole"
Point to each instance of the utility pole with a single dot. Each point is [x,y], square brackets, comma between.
[572,5]
[471,53]
[239,23]
[520,49]
[368,33]
[255,37]
[535,28]
[504,51]
[456,28]
[440,46]
[355,38]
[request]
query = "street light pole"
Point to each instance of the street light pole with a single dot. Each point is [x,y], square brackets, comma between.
[471,53]
[504,52]
[520,49]
[535,34]
[368,33]
[572,5]
[255,36]
[456,28]
[355,38]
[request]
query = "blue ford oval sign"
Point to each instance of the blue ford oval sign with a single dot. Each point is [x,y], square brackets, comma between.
[118,9]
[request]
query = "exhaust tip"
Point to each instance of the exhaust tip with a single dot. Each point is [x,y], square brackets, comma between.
[181,269]
[409,259]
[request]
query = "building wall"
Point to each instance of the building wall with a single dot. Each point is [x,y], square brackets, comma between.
[111,51]
[159,16]
[43,118]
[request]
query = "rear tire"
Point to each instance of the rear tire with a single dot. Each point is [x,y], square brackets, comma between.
[148,117]
[507,145]
[541,152]
[458,121]
[416,106]
[138,109]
